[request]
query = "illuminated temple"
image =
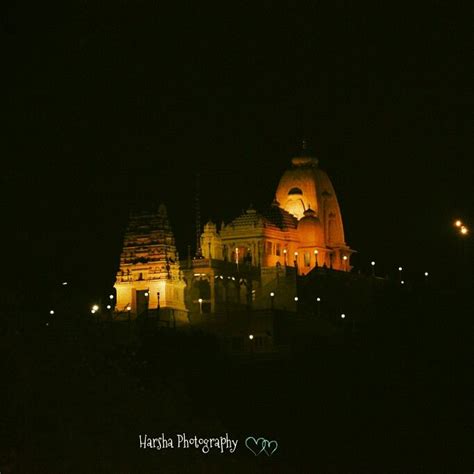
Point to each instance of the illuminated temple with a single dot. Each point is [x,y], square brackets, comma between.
[254,263]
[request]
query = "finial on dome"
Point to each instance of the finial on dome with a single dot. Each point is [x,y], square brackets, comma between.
[305,156]
[309,212]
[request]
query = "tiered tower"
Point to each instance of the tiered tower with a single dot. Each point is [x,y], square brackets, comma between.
[149,277]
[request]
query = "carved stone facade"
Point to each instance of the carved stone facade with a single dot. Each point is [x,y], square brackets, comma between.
[149,276]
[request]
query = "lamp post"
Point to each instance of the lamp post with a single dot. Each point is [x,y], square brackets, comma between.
[345,262]
[147,296]
[272,300]
[372,263]
[285,256]
[352,323]
[316,258]
[318,305]
[400,269]
[251,344]
[200,305]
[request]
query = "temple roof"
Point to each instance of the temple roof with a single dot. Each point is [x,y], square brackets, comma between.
[280,218]
[272,216]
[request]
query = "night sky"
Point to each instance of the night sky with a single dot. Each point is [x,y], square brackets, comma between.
[117,105]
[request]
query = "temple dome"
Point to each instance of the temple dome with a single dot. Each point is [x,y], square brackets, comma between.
[306,186]
[311,230]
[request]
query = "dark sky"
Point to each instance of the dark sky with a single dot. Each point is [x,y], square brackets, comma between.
[114,103]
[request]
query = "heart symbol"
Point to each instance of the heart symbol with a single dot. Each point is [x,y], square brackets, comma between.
[270,447]
[255,445]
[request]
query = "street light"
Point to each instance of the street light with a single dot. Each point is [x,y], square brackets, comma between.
[64,283]
[343,316]
[400,269]
[109,307]
[318,301]
[251,336]
[426,274]
[464,230]
[458,223]
[111,297]
[373,267]
[316,257]
[95,308]
[296,298]
[345,262]
[51,312]
[200,305]
[272,299]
